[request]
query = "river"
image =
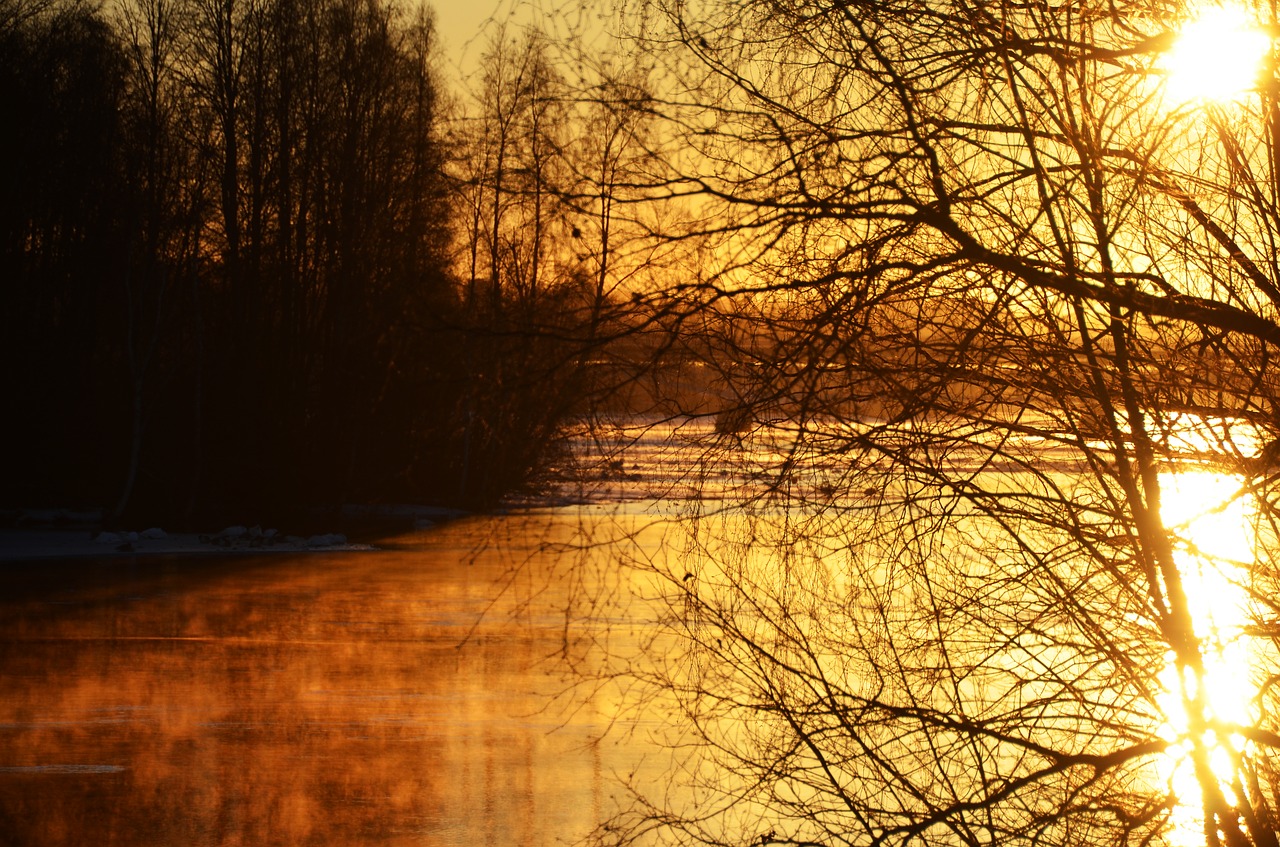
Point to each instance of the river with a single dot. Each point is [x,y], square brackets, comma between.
[492,681]
[402,696]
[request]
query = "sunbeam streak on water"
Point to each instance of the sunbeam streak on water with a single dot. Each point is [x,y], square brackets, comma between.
[1209,516]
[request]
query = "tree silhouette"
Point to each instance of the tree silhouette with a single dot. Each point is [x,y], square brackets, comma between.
[985,302]
[226,238]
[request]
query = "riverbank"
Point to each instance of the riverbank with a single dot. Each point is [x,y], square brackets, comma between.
[24,544]
[62,533]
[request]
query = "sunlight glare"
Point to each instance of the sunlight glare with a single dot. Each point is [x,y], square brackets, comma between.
[1211,517]
[1217,57]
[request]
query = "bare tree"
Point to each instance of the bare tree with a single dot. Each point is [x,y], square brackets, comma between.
[514,177]
[170,175]
[990,300]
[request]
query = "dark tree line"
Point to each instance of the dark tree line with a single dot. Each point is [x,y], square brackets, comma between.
[226,263]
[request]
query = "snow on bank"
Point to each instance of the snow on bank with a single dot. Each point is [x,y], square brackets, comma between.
[58,533]
[21,544]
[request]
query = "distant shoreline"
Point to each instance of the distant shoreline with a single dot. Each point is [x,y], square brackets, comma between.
[33,534]
[19,544]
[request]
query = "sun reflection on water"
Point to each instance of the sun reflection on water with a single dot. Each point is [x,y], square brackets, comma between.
[1209,515]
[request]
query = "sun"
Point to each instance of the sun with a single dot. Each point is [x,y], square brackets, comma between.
[1217,57]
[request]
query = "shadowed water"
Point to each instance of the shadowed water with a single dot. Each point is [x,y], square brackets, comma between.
[394,697]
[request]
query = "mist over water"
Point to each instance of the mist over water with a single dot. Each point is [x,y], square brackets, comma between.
[398,697]
[497,680]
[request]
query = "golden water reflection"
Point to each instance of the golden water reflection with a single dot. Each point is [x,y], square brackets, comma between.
[1210,515]
[377,698]
[353,699]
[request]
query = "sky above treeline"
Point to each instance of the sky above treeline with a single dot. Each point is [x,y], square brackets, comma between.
[465,26]
[461,24]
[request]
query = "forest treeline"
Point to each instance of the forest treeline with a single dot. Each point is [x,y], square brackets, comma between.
[239,273]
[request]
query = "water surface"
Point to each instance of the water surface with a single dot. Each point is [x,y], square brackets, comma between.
[385,698]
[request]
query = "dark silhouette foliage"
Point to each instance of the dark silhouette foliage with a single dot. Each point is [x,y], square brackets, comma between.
[226,272]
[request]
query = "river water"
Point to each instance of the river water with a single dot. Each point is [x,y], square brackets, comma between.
[466,685]
[421,694]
